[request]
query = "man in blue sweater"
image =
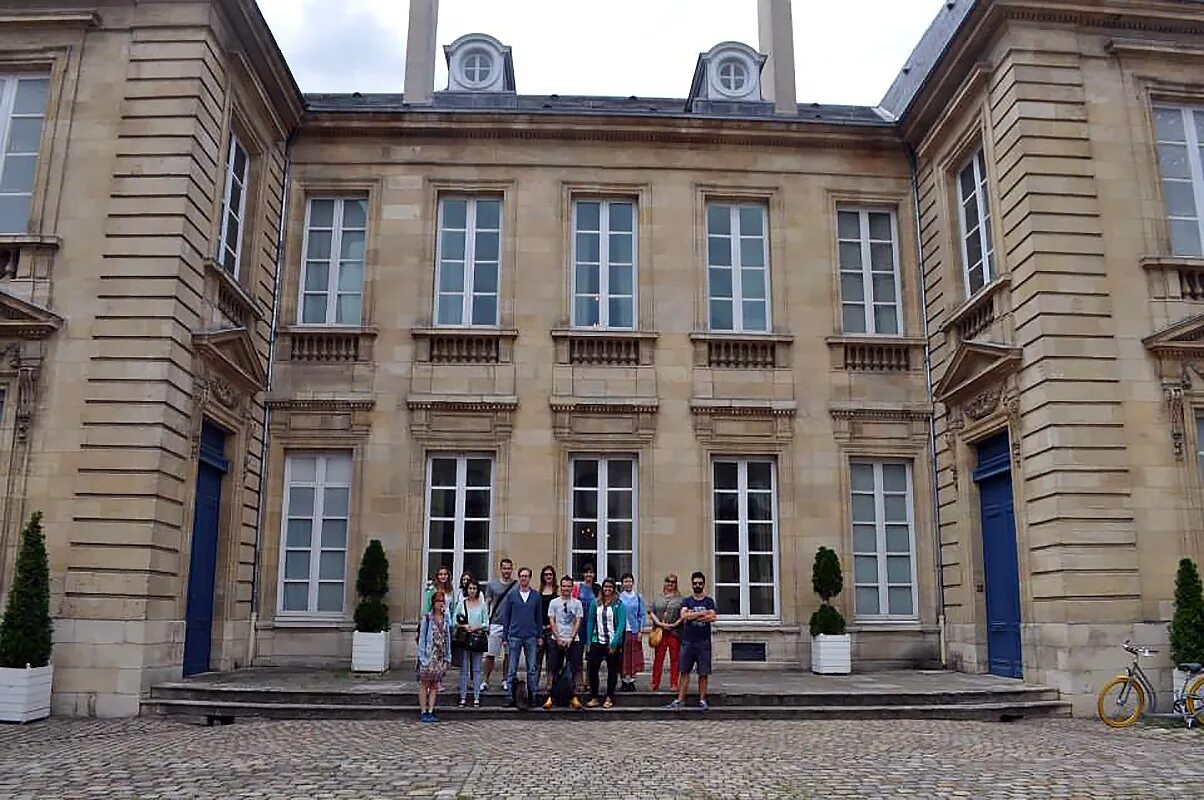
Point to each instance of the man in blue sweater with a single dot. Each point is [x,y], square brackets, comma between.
[522,625]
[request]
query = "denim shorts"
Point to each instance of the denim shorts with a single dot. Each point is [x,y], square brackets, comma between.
[695,654]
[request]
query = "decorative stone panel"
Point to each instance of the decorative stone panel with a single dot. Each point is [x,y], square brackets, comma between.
[737,422]
[226,302]
[466,420]
[741,350]
[323,416]
[464,345]
[975,317]
[876,354]
[603,347]
[326,345]
[851,424]
[631,420]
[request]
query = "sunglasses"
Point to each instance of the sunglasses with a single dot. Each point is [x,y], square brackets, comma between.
[697,585]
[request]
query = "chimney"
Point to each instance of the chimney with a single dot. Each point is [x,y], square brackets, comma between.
[777,42]
[420,51]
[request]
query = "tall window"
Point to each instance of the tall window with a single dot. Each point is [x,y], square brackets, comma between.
[467,281]
[883,539]
[459,513]
[978,250]
[738,267]
[22,112]
[333,281]
[604,263]
[1180,133]
[317,502]
[1199,436]
[603,515]
[869,271]
[234,207]
[745,519]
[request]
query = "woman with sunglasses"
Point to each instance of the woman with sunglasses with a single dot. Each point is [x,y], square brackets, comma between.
[666,616]
[548,591]
[606,623]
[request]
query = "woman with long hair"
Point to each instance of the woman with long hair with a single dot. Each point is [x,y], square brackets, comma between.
[548,590]
[605,623]
[434,654]
[441,583]
[633,644]
[473,616]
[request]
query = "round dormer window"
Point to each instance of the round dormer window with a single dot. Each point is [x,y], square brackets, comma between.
[731,74]
[476,67]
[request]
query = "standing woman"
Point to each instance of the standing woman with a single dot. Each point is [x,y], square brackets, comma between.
[434,654]
[475,613]
[633,645]
[666,617]
[455,609]
[605,625]
[442,583]
[548,590]
[585,591]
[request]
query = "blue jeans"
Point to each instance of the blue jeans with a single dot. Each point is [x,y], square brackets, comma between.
[470,670]
[527,645]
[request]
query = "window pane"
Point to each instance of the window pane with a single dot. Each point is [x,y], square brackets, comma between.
[587,216]
[752,252]
[484,310]
[721,315]
[894,477]
[476,535]
[760,475]
[852,287]
[852,318]
[351,248]
[299,533]
[586,311]
[850,255]
[443,502]
[719,251]
[899,598]
[478,472]
[620,279]
[455,214]
[966,181]
[355,213]
[334,533]
[1185,237]
[618,563]
[726,474]
[330,566]
[752,283]
[760,506]
[330,597]
[585,505]
[896,508]
[720,282]
[587,279]
[319,246]
[296,597]
[618,536]
[1172,160]
[620,248]
[453,246]
[880,228]
[477,565]
[750,220]
[486,246]
[621,313]
[588,248]
[476,503]
[302,468]
[898,539]
[760,537]
[727,506]
[727,600]
[296,566]
[621,216]
[760,568]
[335,502]
[863,508]
[865,538]
[619,505]
[760,600]
[727,538]
[585,537]
[300,501]
[754,315]
[1180,198]
[865,569]
[24,135]
[317,276]
[1168,124]
[727,569]
[18,174]
[867,600]
[443,472]
[882,257]
[484,278]
[351,276]
[31,96]
[886,320]
[719,220]
[585,472]
[848,225]
[862,477]
[898,569]
[489,214]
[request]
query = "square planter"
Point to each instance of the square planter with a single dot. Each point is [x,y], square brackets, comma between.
[832,655]
[369,651]
[25,693]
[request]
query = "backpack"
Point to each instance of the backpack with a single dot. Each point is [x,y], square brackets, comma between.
[562,687]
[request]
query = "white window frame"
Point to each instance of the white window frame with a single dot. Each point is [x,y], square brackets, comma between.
[737,265]
[1195,163]
[459,519]
[8,99]
[334,264]
[870,300]
[320,484]
[986,235]
[1199,439]
[883,583]
[601,555]
[234,180]
[470,261]
[604,293]
[742,463]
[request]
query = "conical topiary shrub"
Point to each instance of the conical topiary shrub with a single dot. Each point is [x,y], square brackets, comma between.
[827,580]
[372,584]
[1187,623]
[25,639]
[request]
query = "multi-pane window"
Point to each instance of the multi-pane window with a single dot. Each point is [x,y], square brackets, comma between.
[22,112]
[602,515]
[459,514]
[604,263]
[466,284]
[869,271]
[883,539]
[1180,133]
[978,250]
[234,207]
[1199,439]
[333,281]
[737,267]
[745,521]
[317,501]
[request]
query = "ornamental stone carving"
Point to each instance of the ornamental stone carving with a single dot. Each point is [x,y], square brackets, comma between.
[982,404]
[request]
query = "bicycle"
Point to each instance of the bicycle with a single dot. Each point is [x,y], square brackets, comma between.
[1128,704]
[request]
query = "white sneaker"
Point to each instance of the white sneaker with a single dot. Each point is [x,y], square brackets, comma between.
[484,687]
[505,686]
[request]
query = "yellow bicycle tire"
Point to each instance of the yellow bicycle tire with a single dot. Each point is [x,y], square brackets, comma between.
[1196,690]
[1132,718]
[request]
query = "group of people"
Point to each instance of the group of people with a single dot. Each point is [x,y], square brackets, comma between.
[565,628]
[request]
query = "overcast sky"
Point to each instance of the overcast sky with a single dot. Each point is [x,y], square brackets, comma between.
[846,51]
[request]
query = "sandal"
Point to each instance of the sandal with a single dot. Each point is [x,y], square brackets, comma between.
[593,703]
[608,704]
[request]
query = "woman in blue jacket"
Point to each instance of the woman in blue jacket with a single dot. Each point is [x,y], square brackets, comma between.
[434,654]
[605,624]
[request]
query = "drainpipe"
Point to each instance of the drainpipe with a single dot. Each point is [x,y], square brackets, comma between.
[936,506]
[267,412]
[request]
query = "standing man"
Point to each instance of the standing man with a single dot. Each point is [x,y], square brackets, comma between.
[522,625]
[697,614]
[495,591]
[564,614]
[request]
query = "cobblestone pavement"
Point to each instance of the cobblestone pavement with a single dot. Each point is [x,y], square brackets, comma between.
[695,759]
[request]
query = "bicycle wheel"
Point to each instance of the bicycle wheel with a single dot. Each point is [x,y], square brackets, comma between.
[1195,699]
[1121,702]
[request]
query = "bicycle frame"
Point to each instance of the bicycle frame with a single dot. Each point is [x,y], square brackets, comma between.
[1135,672]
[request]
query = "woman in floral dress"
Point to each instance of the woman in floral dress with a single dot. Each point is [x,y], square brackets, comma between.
[434,654]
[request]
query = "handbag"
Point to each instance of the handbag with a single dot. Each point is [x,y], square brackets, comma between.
[460,635]
[477,641]
[655,636]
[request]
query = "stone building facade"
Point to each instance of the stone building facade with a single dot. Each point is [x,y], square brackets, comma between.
[955,337]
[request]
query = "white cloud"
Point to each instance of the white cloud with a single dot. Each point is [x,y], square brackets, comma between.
[846,52]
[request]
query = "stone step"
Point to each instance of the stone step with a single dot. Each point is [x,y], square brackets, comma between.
[262,695]
[228,711]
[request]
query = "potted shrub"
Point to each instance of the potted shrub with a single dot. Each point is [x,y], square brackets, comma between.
[831,647]
[25,669]
[370,642]
[1187,622]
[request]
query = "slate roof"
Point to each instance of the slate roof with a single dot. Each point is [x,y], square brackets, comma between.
[582,104]
[923,59]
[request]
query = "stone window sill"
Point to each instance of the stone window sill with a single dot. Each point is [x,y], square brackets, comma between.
[1176,277]
[326,344]
[464,345]
[602,347]
[230,296]
[741,350]
[876,353]
[20,251]
[977,313]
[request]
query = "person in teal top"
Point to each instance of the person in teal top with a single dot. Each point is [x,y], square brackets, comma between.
[472,615]
[605,625]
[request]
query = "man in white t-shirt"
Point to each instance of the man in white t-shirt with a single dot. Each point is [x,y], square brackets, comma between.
[565,614]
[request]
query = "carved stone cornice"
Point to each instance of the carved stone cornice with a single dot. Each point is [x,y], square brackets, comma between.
[320,404]
[471,405]
[560,405]
[23,320]
[872,414]
[581,420]
[743,422]
[462,420]
[329,417]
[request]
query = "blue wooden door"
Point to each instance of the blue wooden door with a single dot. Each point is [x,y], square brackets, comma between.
[198,619]
[1000,565]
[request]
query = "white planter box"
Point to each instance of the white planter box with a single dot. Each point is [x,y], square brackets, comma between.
[832,655]
[369,651]
[25,693]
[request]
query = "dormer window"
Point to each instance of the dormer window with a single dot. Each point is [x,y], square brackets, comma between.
[727,79]
[733,76]
[479,64]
